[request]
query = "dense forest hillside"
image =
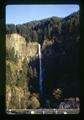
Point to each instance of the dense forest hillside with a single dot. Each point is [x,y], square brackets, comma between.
[60,47]
[46,28]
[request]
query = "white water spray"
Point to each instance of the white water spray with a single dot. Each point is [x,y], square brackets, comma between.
[40,69]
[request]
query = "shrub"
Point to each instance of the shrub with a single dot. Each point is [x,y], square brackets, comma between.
[57,93]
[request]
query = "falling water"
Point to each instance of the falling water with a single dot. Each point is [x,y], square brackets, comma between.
[40,69]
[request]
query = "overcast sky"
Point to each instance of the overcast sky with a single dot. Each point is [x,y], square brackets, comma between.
[19,14]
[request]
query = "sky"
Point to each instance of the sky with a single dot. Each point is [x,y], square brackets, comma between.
[19,14]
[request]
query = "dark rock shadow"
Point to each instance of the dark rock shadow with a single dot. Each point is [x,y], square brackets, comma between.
[61,69]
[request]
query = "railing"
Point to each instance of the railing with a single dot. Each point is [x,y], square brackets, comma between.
[43,111]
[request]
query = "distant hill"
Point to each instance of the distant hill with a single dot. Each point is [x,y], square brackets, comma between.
[46,28]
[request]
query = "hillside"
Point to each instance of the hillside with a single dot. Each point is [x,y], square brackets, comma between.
[46,28]
[60,47]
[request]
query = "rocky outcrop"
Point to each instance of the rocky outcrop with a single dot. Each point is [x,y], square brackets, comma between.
[19,54]
[21,47]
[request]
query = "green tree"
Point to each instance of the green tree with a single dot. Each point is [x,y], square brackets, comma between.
[10,55]
[34,102]
[35,36]
[22,76]
[8,75]
[57,93]
[11,28]
[35,73]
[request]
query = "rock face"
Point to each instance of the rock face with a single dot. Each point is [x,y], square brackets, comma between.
[18,72]
[70,103]
[21,47]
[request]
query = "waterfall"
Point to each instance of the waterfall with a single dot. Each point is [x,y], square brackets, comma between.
[40,70]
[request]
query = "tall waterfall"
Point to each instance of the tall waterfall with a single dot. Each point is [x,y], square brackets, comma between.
[40,69]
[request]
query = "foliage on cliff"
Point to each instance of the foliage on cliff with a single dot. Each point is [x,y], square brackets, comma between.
[18,76]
